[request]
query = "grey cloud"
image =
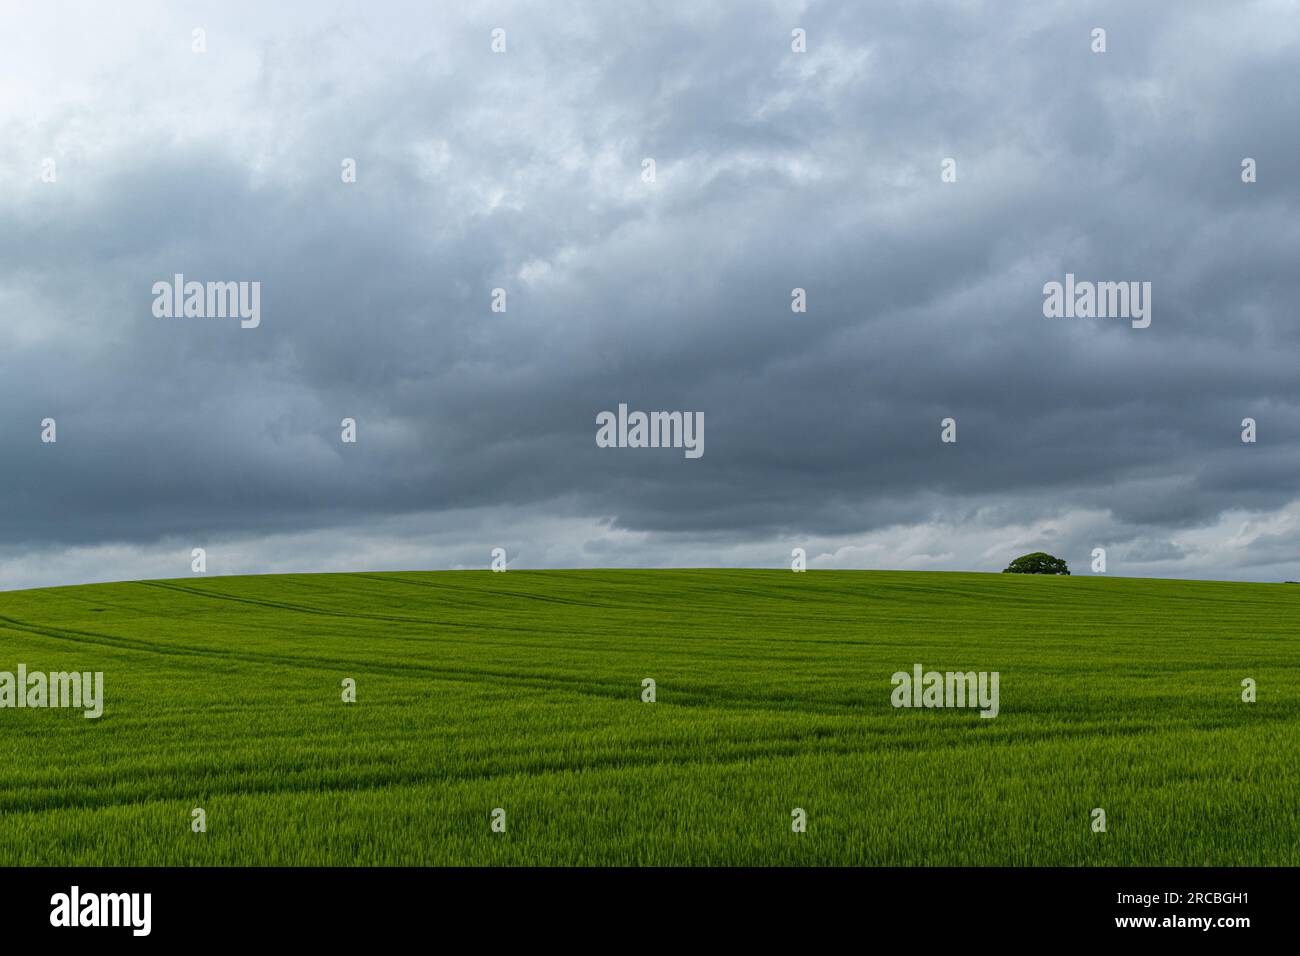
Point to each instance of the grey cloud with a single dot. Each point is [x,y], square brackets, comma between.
[774,171]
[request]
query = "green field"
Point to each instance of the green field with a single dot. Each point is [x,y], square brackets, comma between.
[523,690]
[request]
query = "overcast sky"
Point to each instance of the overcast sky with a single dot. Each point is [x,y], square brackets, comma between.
[523,170]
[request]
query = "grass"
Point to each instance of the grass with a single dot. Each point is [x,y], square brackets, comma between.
[523,691]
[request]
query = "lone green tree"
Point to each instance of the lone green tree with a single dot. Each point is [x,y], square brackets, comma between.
[1037,563]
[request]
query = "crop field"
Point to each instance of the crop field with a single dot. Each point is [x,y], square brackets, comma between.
[523,692]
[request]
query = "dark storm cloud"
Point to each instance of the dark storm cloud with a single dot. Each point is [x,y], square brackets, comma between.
[775,171]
